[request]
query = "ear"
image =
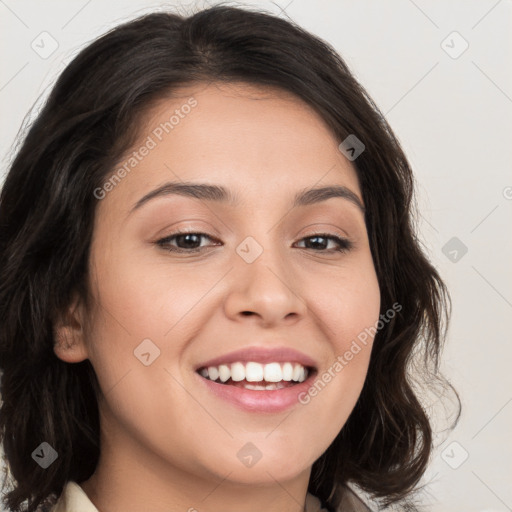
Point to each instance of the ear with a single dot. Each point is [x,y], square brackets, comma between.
[69,336]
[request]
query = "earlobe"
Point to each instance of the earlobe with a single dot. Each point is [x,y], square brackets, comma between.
[68,335]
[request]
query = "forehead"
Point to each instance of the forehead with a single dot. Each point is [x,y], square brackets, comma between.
[263,144]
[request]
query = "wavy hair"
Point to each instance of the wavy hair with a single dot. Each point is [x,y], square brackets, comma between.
[47,206]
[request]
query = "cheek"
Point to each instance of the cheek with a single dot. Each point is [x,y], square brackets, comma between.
[348,308]
[347,301]
[143,300]
[140,301]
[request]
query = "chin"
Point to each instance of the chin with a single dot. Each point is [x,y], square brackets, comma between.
[253,466]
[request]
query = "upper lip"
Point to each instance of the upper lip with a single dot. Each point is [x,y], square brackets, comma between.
[262,355]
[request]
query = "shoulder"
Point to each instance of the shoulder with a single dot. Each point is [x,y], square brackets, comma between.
[350,502]
[72,499]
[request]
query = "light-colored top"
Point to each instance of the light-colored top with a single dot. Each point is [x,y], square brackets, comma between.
[74,499]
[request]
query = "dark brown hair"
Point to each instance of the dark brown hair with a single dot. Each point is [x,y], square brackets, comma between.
[47,209]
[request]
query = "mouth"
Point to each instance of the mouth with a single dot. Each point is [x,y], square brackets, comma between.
[258,380]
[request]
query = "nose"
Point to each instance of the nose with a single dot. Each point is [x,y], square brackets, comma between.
[266,290]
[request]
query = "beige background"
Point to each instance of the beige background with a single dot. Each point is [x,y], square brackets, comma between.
[453,115]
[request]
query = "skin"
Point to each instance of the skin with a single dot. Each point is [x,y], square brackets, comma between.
[167,443]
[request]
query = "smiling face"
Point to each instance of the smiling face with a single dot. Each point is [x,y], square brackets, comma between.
[259,273]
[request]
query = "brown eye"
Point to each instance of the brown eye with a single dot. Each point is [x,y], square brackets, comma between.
[319,241]
[190,242]
[185,241]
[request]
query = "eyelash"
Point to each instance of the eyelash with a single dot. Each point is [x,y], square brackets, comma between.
[344,245]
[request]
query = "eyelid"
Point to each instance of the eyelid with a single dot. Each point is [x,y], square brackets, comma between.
[325,228]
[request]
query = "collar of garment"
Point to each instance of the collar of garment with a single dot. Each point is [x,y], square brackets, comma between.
[74,499]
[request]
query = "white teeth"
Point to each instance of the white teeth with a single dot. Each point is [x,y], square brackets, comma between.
[287,371]
[255,387]
[297,372]
[237,372]
[224,372]
[268,387]
[272,373]
[253,372]
[213,373]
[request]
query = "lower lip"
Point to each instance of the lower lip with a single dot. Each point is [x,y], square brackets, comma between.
[272,401]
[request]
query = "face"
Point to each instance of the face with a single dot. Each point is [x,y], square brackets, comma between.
[276,283]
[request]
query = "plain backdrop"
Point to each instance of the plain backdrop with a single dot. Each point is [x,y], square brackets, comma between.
[440,72]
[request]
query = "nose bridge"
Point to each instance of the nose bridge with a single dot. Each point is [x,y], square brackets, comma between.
[262,281]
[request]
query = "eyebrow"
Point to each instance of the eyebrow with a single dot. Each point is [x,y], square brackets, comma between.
[220,194]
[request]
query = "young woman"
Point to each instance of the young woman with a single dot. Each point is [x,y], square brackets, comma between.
[210,288]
